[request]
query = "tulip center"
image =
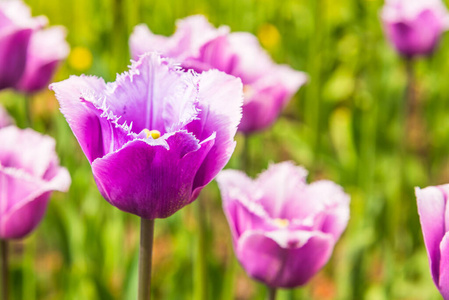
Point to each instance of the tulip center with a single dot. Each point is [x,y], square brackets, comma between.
[282,223]
[153,133]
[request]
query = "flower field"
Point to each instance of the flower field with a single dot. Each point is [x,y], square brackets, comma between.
[355,111]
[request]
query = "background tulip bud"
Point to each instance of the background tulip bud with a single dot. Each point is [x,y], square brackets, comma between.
[16,28]
[46,50]
[414,27]
[29,172]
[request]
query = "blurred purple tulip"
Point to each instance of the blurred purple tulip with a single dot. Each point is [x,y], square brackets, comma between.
[196,44]
[28,54]
[414,27]
[180,133]
[433,214]
[46,50]
[29,172]
[16,28]
[283,229]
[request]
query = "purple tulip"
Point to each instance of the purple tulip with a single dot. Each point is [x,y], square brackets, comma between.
[433,214]
[29,172]
[197,45]
[414,27]
[157,135]
[283,229]
[46,50]
[16,28]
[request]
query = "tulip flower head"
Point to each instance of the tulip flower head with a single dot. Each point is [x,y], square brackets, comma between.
[29,172]
[283,229]
[196,44]
[16,28]
[47,49]
[29,54]
[414,27]
[156,136]
[433,214]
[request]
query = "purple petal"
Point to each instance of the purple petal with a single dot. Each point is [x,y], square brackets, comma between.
[333,203]
[46,50]
[16,27]
[191,33]
[154,95]
[431,208]
[443,284]
[242,212]
[215,54]
[16,151]
[284,260]
[253,61]
[282,186]
[81,100]
[267,97]
[220,101]
[24,200]
[13,52]
[142,40]
[151,181]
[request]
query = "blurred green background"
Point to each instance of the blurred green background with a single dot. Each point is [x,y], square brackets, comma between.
[349,124]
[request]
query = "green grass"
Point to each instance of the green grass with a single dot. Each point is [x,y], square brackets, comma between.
[346,124]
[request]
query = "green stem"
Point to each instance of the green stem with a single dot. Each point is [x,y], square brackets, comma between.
[410,95]
[27,102]
[200,283]
[28,269]
[4,267]
[145,256]
[271,293]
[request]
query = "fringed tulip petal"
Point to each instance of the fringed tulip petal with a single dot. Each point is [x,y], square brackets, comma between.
[83,106]
[219,112]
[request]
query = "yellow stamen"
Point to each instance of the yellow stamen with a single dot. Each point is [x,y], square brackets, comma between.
[153,133]
[282,222]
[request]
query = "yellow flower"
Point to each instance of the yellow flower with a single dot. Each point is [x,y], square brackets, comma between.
[80,59]
[268,35]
